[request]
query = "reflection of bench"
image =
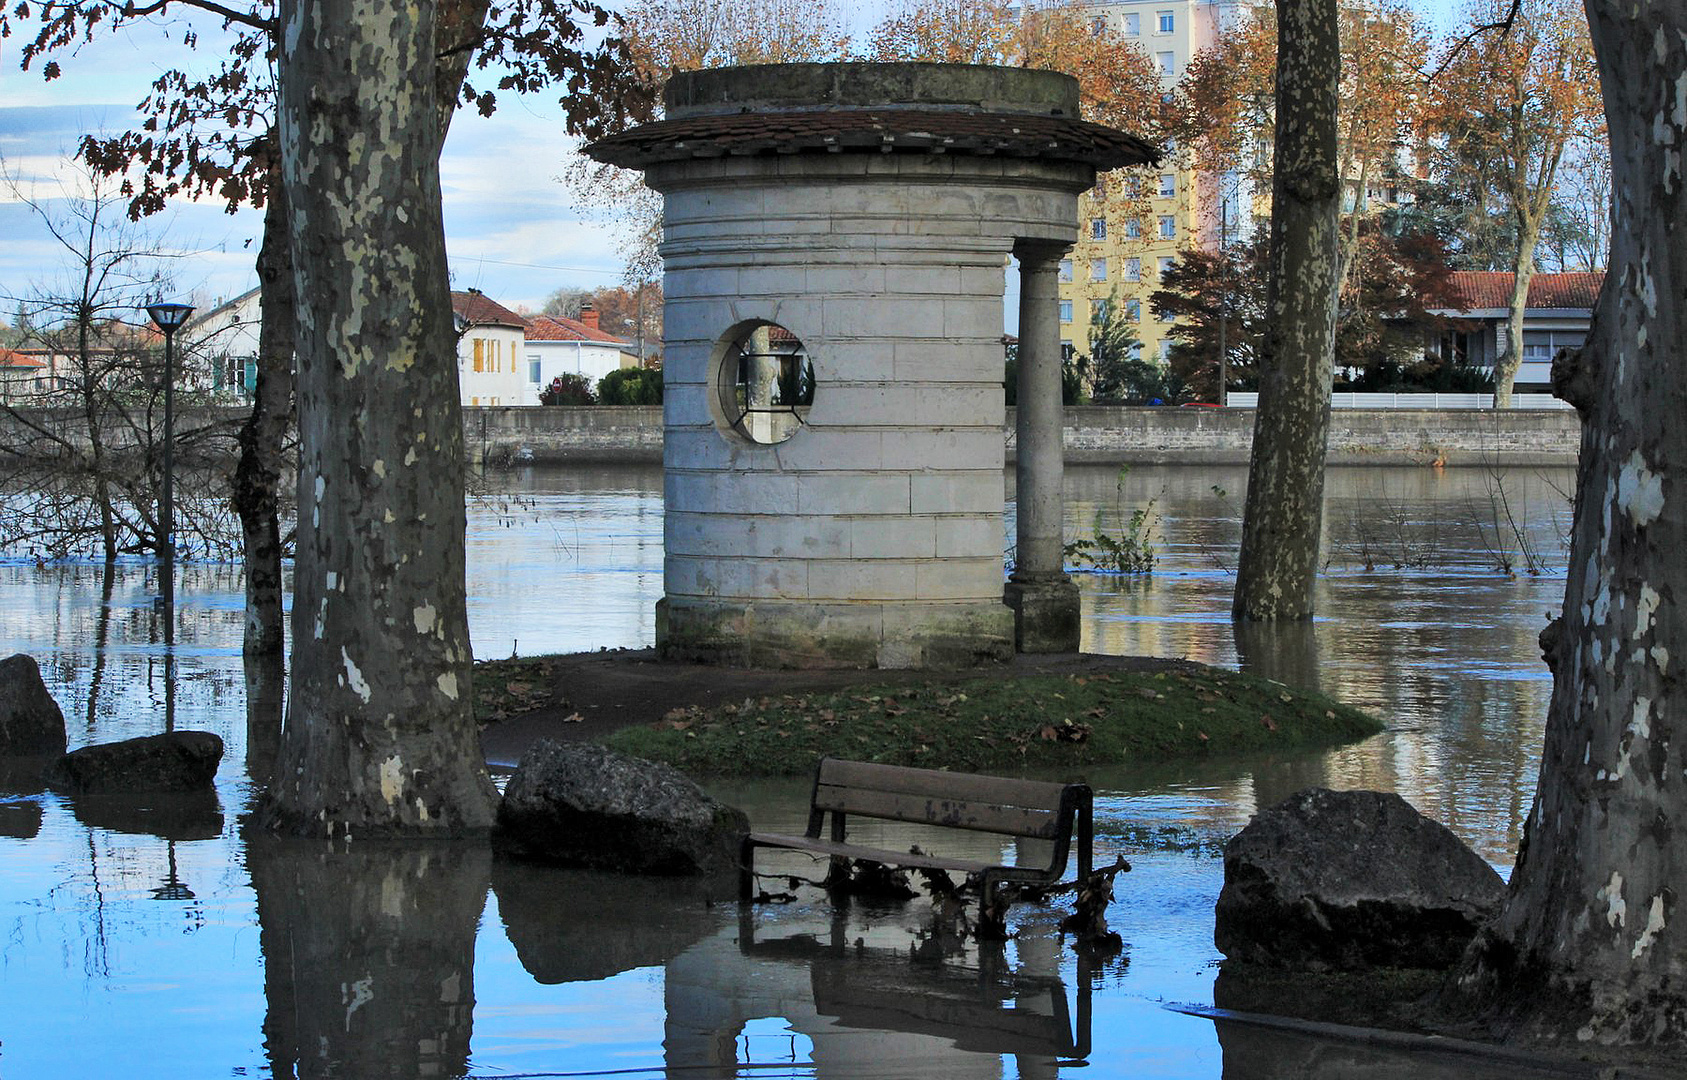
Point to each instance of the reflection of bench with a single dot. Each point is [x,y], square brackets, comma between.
[992,804]
[1018,1015]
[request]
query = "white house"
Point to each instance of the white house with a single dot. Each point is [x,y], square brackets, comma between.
[557,345]
[489,350]
[223,346]
[1558,314]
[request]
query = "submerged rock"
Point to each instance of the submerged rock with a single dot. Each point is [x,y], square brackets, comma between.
[579,804]
[173,761]
[1350,880]
[31,722]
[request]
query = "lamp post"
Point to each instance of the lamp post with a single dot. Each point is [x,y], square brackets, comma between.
[168,318]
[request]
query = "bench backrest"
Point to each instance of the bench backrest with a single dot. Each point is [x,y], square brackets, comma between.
[994,804]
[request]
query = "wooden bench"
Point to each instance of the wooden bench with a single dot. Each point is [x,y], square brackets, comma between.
[993,804]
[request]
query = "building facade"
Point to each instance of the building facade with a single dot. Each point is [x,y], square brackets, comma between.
[1129,236]
[491,346]
[557,346]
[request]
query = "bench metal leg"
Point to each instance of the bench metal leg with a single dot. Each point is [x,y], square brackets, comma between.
[746,869]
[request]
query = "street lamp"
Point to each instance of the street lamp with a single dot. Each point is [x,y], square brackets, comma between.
[168,318]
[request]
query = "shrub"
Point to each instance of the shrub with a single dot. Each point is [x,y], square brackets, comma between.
[630,386]
[568,389]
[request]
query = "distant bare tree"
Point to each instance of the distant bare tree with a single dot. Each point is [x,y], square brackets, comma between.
[81,439]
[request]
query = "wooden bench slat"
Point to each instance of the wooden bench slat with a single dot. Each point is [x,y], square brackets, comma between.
[953,813]
[1003,806]
[910,781]
[891,857]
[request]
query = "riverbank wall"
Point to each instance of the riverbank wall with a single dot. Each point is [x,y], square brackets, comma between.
[1094,435]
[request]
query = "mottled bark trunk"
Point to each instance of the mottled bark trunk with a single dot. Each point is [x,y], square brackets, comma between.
[1278,564]
[1592,945]
[380,736]
[1505,367]
[258,474]
[368,956]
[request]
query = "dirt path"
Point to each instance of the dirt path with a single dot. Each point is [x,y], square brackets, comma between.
[594,694]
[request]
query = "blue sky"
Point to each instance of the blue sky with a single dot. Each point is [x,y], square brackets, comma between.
[512,230]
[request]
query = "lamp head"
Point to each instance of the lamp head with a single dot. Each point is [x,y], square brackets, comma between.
[169,317]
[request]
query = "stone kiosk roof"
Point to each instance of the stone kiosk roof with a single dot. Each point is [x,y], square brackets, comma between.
[859,107]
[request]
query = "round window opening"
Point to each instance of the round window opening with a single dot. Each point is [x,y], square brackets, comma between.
[766,383]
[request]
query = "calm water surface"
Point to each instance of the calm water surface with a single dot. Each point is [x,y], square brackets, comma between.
[167,944]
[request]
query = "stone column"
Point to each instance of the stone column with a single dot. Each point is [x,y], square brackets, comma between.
[1044,600]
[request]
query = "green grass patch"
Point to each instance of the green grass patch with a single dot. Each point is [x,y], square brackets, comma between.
[996,724]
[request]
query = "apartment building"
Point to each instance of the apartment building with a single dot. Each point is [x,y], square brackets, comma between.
[1127,240]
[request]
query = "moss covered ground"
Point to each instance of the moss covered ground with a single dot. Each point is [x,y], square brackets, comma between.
[999,724]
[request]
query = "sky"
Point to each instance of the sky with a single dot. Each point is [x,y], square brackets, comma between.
[512,229]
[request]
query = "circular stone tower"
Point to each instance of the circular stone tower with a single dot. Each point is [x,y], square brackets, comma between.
[835,239]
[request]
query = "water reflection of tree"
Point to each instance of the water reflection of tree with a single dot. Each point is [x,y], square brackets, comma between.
[368,955]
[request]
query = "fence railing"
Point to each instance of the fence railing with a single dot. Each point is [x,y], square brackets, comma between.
[1248,400]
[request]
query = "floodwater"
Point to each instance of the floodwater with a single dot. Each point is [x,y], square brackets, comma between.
[168,943]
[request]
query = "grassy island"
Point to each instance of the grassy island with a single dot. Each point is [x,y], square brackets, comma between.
[994,722]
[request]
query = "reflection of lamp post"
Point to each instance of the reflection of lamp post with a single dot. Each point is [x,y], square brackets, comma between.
[172,887]
[168,318]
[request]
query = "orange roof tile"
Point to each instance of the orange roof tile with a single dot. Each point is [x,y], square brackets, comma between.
[1489,289]
[13,359]
[481,310]
[558,328]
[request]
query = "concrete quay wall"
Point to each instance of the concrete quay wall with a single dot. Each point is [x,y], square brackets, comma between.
[1094,435]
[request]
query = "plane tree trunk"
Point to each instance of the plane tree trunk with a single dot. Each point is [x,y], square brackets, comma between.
[1592,945]
[1283,515]
[259,473]
[380,737]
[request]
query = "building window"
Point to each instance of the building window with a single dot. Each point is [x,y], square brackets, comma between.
[533,370]
[1133,269]
[1067,351]
[1066,311]
[1133,228]
[1136,351]
[1098,27]
[1098,269]
[1098,228]
[1098,310]
[1168,22]
[1165,351]
[1167,63]
[1168,185]
[1133,24]
[1133,310]
[764,382]
[479,357]
[1065,269]
[1165,264]
[1168,227]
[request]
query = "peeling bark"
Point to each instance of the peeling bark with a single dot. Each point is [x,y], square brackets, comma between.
[380,736]
[1283,515]
[1591,948]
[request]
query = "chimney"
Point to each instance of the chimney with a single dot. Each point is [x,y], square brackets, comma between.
[588,315]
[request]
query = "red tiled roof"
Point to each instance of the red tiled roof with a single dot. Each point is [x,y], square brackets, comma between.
[480,310]
[557,328]
[13,359]
[1488,289]
[821,130]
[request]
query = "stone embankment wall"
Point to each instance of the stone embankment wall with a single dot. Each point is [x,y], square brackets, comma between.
[1093,434]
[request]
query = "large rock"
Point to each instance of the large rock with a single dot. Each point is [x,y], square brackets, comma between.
[1349,880]
[31,722]
[578,804]
[174,761]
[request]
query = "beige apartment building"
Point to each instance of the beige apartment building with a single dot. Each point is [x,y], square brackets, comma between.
[1127,240]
